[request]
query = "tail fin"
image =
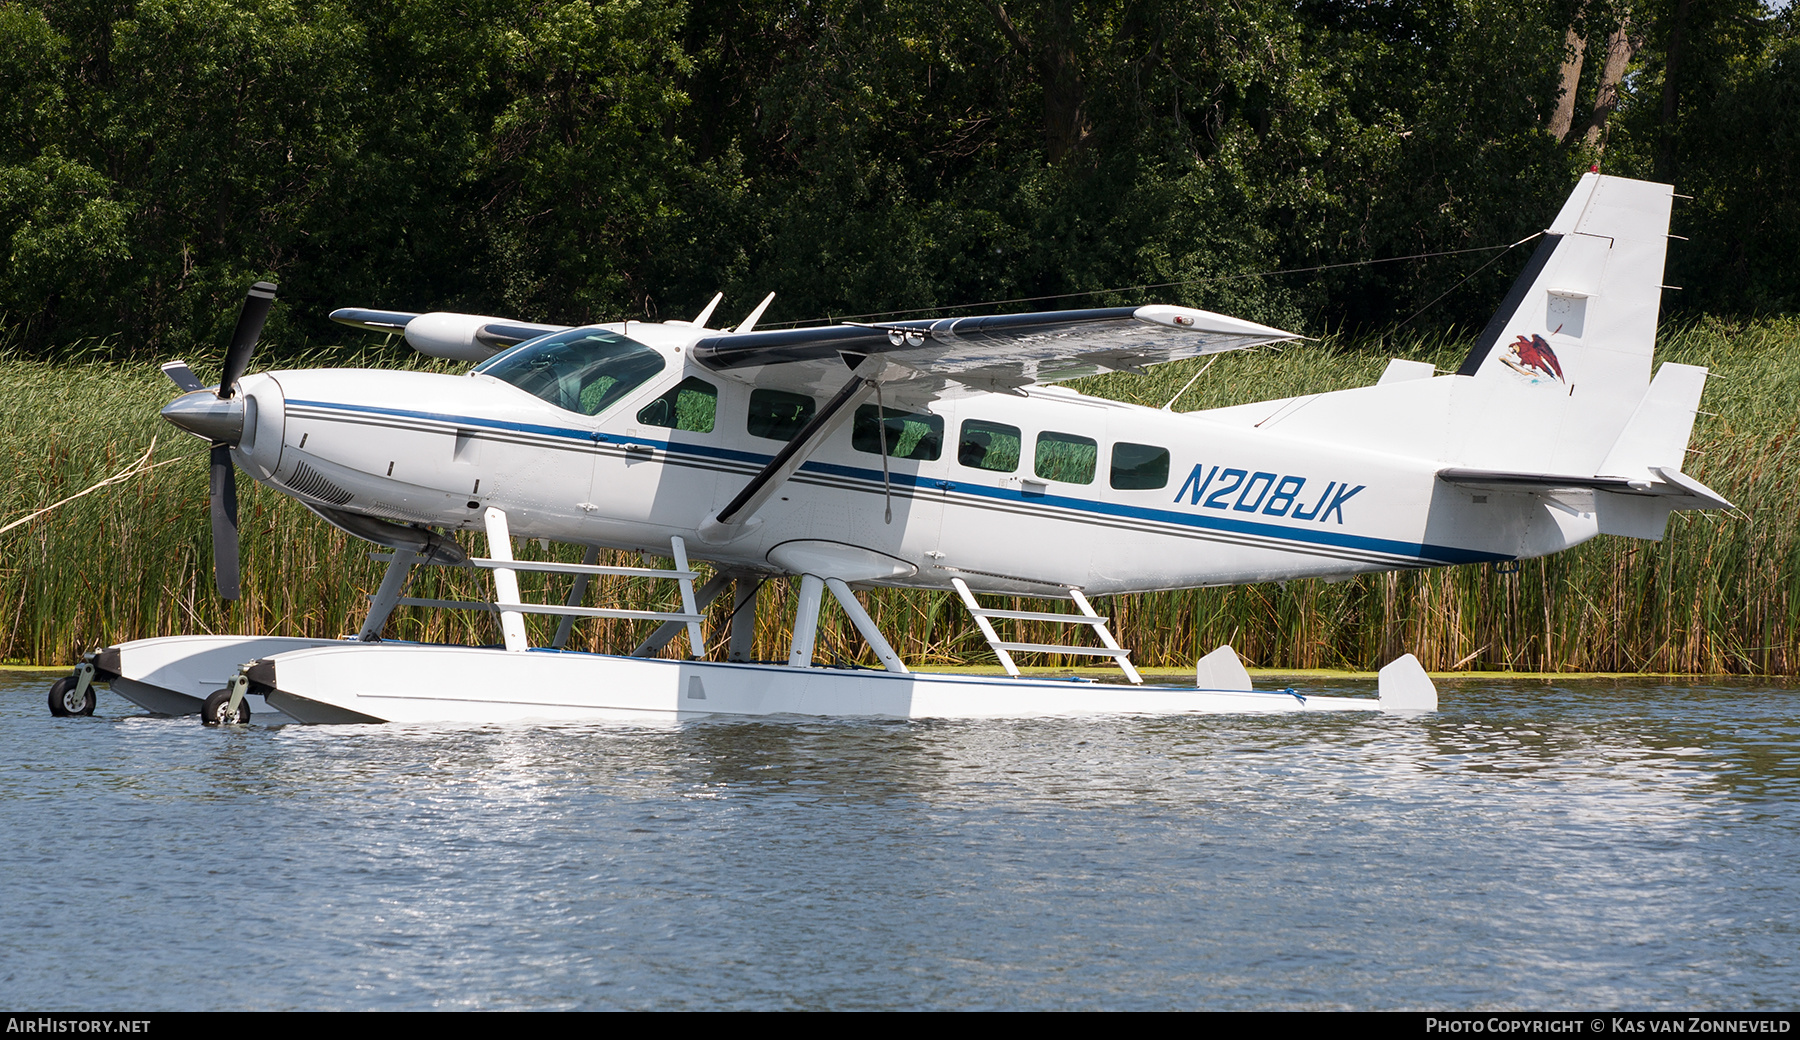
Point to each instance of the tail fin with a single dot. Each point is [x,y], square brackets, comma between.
[1563,371]
[1556,377]
[1567,357]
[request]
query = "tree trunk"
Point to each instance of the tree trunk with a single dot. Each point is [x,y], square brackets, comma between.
[1671,99]
[1618,55]
[1574,52]
[1065,103]
[1052,56]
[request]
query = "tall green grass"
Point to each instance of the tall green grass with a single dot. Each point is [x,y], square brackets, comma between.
[1717,595]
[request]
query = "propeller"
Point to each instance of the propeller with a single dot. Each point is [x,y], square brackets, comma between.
[223,495]
[219,417]
[243,340]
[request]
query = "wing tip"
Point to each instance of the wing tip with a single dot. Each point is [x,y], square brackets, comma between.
[1192,319]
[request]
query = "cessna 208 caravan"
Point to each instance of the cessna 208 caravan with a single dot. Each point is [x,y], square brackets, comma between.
[932,454]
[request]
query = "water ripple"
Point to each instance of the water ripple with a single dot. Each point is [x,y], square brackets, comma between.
[1532,845]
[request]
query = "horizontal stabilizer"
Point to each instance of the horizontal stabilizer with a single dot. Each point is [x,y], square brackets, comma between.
[1631,508]
[1699,494]
[1668,483]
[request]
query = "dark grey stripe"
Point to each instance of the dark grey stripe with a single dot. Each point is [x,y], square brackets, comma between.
[1509,306]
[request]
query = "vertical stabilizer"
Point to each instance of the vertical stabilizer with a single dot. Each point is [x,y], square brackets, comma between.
[1566,360]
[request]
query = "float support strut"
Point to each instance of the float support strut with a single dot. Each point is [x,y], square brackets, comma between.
[393,582]
[576,595]
[806,620]
[865,624]
[743,617]
[506,581]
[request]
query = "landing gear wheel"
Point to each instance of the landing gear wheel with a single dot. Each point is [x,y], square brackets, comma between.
[63,702]
[212,710]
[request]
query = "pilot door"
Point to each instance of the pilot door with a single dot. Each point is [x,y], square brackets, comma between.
[656,457]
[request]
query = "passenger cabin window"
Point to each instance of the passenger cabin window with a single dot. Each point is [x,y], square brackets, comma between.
[988,445]
[1066,457]
[1139,467]
[690,405]
[778,415]
[910,435]
[581,370]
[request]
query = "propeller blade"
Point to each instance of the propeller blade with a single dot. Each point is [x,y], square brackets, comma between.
[182,376]
[224,522]
[243,341]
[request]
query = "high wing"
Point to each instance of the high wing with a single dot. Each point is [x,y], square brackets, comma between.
[933,357]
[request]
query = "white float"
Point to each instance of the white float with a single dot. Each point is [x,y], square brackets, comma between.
[173,675]
[390,682]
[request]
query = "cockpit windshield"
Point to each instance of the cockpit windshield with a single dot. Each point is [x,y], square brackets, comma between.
[582,370]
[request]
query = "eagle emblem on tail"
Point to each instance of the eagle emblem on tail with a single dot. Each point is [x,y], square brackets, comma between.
[1533,358]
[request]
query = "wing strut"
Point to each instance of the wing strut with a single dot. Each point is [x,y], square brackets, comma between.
[733,520]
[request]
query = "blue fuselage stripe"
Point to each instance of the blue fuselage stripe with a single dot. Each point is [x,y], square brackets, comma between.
[1225,524]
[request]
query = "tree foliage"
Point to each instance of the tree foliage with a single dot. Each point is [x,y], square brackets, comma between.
[578,160]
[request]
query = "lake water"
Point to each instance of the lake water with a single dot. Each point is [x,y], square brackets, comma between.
[1583,845]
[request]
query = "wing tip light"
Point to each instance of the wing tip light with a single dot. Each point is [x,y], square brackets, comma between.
[1191,319]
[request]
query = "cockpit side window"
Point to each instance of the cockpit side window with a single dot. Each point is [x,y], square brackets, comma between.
[691,405]
[581,370]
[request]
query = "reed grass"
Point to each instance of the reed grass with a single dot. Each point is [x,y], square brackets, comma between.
[1717,595]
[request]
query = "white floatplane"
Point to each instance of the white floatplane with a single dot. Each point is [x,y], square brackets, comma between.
[930,454]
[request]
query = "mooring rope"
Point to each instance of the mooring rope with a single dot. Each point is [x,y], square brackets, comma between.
[141,466]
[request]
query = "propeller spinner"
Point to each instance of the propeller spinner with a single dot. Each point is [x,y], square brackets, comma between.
[219,417]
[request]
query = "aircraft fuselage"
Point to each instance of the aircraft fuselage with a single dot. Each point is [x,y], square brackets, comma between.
[1020,494]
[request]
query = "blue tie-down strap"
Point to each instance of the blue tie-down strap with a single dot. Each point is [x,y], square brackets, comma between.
[1296,694]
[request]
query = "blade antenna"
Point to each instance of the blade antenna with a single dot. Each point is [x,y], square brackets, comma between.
[704,316]
[756,315]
